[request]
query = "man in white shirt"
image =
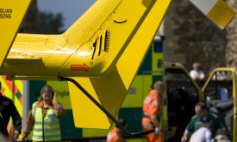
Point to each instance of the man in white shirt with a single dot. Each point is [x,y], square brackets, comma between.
[196,73]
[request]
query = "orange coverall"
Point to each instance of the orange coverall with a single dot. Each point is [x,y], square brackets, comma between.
[114,136]
[151,112]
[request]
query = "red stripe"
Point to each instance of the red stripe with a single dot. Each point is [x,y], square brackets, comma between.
[10,85]
[21,100]
[79,67]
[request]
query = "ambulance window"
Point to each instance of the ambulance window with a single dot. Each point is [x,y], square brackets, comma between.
[158,46]
[220,87]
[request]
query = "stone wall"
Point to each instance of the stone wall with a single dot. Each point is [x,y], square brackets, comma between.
[231,50]
[191,37]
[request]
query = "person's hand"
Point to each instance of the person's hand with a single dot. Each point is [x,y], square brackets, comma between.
[157,130]
[54,101]
[184,139]
[24,137]
[15,134]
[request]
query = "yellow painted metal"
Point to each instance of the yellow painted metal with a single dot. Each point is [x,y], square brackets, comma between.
[233,72]
[141,87]
[168,65]
[88,133]
[138,45]
[221,14]
[19,85]
[11,15]
[110,89]
[91,43]
[136,140]
[147,85]
[235,106]
[118,25]
[62,93]
[90,47]
[32,55]
[84,111]
[228,69]
[171,131]
[134,97]
[107,44]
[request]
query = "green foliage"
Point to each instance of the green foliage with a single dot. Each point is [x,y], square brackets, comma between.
[41,22]
[50,23]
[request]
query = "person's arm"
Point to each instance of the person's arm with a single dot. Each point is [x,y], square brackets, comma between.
[118,139]
[58,108]
[16,118]
[155,107]
[154,113]
[60,111]
[29,126]
[188,131]
[185,136]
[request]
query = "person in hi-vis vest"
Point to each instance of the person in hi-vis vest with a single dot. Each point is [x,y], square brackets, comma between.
[43,120]
[152,106]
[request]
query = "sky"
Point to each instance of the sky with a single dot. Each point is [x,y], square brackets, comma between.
[71,9]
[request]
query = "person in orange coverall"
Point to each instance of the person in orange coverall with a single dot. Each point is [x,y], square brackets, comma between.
[152,106]
[115,134]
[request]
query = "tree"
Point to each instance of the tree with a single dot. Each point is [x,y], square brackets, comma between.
[41,22]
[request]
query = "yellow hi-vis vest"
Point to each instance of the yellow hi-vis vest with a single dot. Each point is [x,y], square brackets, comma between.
[47,129]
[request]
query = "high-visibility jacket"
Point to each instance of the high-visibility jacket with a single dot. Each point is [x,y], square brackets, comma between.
[114,136]
[47,128]
[151,109]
